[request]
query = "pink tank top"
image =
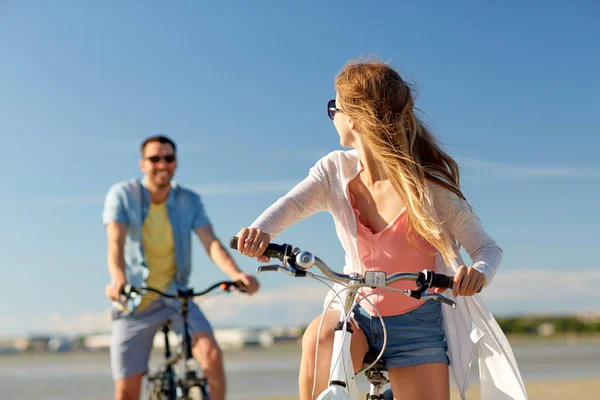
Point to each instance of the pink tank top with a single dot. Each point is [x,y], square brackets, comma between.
[391,252]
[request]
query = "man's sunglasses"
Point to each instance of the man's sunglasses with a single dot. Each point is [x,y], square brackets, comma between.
[332,109]
[169,158]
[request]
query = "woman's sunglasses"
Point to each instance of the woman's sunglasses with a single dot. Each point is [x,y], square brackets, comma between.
[169,158]
[332,109]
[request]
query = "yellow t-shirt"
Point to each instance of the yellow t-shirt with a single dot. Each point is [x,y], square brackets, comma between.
[159,250]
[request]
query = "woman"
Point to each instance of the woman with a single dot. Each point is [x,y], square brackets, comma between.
[397,206]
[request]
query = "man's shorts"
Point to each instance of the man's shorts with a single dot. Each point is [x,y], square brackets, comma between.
[133,335]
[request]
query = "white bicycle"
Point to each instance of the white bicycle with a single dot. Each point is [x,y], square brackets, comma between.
[342,379]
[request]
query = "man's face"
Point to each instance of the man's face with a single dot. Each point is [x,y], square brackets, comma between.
[159,163]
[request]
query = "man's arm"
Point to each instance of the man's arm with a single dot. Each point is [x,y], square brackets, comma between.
[223,260]
[116,233]
[114,217]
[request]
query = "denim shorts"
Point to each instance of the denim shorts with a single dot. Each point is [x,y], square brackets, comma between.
[413,338]
[133,335]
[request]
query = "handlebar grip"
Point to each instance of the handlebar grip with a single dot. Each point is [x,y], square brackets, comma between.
[273,250]
[233,242]
[226,285]
[444,281]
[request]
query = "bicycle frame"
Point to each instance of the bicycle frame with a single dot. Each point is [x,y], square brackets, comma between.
[165,375]
[166,369]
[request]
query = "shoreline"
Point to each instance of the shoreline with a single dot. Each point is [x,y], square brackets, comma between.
[514,339]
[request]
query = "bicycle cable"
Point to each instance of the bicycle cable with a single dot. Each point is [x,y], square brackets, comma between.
[346,321]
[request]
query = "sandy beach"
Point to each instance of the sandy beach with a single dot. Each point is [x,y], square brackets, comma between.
[543,390]
[551,369]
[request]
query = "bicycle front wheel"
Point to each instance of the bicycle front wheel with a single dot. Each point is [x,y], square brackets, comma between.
[198,392]
[156,393]
[161,389]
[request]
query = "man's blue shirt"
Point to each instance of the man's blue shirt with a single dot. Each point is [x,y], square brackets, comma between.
[128,202]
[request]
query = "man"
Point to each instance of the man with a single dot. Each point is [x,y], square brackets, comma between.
[149,223]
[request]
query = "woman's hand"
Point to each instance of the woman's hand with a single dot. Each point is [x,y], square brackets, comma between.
[253,242]
[467,281]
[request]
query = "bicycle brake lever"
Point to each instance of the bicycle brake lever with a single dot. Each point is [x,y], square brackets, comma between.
[440,298]
[287,269]
[267,268]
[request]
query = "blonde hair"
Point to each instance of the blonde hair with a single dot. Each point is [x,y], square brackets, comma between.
[381,104]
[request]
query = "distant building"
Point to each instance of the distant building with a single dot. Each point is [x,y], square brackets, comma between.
[235,338]
[589,317]
[231,338]
[286,334]
[59,344]
[7,346]
[546,329]
[37,343]
[41,343]
[228,338]
[97,342]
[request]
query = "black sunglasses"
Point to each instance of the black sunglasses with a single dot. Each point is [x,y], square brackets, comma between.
[332,109]
[169,158]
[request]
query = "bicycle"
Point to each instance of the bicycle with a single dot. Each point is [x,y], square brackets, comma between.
[164,383]
[342,382]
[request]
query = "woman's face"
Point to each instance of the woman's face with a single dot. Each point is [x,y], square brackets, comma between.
[344,126]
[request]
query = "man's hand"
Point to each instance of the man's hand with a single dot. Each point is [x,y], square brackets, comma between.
[114,290]
[250,283]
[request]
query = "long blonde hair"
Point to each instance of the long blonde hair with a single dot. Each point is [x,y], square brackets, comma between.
[381,104]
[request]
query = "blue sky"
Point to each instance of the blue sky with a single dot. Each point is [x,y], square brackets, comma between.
[511,89]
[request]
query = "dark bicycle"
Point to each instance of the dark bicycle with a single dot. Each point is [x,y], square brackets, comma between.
[165,383]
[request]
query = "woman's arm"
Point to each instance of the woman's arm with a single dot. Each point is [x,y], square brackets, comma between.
[305,199]
[466,228]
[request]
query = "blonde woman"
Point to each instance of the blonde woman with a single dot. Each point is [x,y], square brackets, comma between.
[398,207]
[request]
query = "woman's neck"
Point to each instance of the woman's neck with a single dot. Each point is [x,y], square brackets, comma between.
[372,170]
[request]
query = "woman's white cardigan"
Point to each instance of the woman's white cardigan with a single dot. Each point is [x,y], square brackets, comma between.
[470,326]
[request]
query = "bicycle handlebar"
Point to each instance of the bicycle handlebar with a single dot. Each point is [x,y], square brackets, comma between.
[297,262]
[128,290]
[305,260]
